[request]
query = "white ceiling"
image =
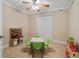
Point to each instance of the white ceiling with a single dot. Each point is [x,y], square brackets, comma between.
[54,5]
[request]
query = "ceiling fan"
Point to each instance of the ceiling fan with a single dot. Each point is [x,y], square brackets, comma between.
[36,5]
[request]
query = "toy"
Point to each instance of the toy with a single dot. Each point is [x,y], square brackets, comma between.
[71,50]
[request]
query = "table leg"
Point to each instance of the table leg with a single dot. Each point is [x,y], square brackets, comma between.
[43,51]
[32,50]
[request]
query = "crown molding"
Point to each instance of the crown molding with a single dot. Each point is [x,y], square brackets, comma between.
[69,5]
[26,12]
[21,10]
[9,4]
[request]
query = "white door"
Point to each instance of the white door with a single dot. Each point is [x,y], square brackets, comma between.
[0,28]
[45,26]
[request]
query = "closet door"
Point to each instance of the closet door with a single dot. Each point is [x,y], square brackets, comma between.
[45,26]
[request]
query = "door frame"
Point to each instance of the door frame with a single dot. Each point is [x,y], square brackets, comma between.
[1,5]
[52,23]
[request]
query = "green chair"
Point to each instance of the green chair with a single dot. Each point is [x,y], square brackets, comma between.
[36,36]
[47,42]
[37,46]
[27,42]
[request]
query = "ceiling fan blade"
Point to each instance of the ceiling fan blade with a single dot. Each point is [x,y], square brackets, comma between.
[34,1]
[26,2]
[28,8]
[45,5]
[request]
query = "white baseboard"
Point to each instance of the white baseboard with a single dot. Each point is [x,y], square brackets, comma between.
[5,46]
[55,41]
[59,42]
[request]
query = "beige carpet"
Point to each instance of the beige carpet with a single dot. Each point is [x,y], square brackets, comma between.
[55,51]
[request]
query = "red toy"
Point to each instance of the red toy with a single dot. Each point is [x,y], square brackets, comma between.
[71,48]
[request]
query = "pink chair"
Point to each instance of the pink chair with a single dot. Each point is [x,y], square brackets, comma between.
[32,33]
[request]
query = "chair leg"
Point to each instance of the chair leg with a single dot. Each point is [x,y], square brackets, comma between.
[32,53]
[48,47]
[32,50]
[42,51]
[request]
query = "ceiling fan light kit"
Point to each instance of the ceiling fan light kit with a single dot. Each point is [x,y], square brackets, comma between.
[35,7]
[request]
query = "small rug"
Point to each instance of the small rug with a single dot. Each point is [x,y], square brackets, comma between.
[49,50]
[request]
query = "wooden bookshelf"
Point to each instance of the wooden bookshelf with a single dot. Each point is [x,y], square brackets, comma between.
[15,36]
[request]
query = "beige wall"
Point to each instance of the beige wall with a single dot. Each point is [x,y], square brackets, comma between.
[60,27]
[74,20]
[33,24]
[13,18]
